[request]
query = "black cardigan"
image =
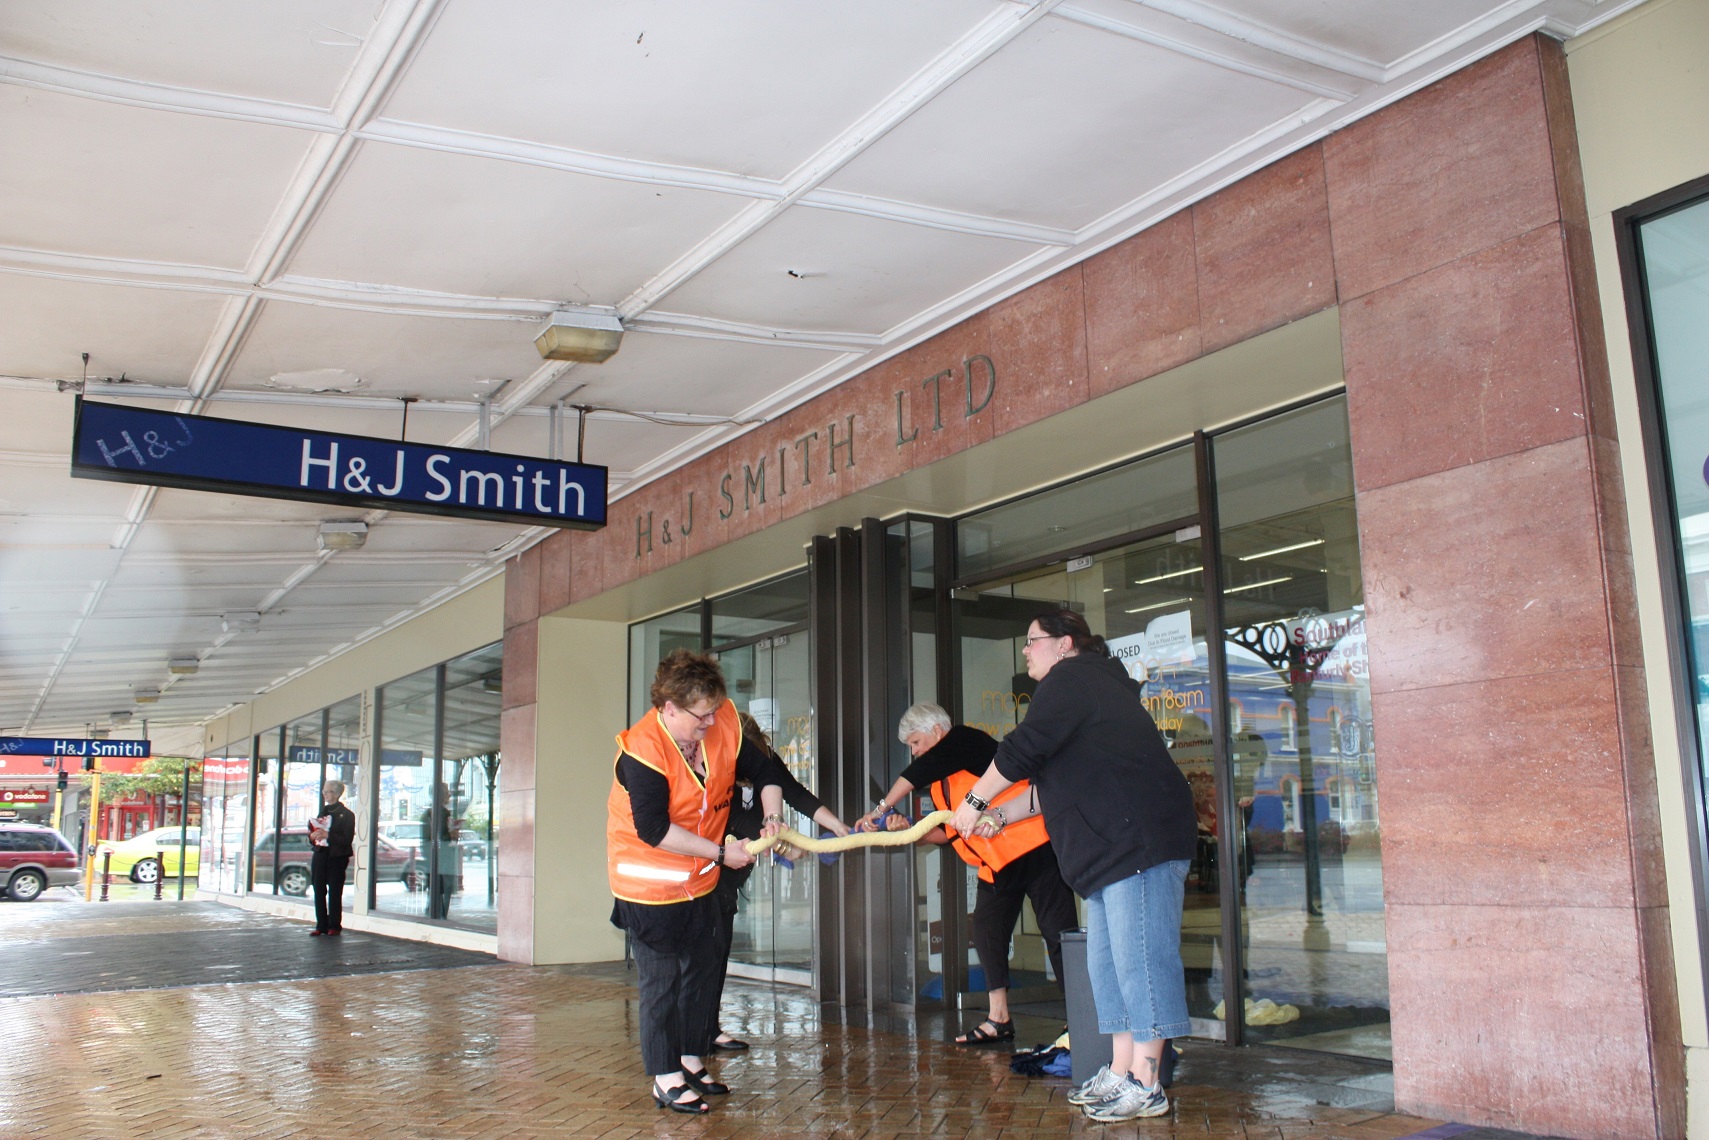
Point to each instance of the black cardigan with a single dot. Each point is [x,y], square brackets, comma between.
[1114,802]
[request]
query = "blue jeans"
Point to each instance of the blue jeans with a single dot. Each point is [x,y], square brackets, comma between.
[1133,952]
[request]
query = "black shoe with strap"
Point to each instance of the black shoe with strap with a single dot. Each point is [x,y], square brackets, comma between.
[988,1031]
[680,1098]
[701,1081]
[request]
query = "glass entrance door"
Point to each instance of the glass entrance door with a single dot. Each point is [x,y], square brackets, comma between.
[768,679]
[1148,600]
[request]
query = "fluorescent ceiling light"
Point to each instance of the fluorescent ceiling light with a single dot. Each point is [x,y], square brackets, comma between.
[585,336]
[1171,574]
[1255,585]
[240,619]
[1281,550]
[1156,605]
[342,535]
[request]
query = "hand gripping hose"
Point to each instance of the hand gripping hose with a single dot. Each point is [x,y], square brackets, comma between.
[793,838]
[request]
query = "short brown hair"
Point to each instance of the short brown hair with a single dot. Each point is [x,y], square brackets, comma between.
[684,678]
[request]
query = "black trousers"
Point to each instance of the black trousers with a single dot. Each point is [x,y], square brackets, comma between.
[326,872]
[679,980]
[997,908]
[729,894]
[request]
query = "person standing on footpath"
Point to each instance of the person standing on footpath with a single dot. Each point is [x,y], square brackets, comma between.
[1014,865]
[1121,818]
[331,833]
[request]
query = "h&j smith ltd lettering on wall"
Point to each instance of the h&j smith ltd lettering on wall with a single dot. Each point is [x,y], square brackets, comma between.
[825,452]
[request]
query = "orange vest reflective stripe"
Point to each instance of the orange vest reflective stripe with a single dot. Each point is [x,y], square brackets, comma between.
[990,855]
[640,872]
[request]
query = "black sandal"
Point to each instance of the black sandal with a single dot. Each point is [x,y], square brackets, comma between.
[1000,1031]
[671,1098]
[730,1046]
[701,1082]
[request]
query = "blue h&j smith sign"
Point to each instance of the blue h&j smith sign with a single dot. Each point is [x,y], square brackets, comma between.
[202,453]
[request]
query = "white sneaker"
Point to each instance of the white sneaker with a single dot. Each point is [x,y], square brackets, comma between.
[1131,1101]
[1100,1085]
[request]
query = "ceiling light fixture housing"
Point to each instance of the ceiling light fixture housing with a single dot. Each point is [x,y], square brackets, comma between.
[183,666]
[584,336]
[240,619]
[145,696]
[343,535]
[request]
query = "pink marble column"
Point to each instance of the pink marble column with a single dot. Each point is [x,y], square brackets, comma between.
[522,588]
[1530,975]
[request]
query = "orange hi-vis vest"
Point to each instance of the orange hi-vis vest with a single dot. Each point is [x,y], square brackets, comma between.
[989,856]
[640,872]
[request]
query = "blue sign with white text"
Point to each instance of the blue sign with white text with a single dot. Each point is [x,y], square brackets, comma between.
[54,746]
[203,453]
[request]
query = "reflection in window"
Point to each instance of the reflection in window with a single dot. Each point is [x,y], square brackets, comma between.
[1304,764]
[1674,264]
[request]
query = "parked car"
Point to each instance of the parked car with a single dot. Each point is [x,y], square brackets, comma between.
[392,862]
[34,858]
[139,856]
[403,832]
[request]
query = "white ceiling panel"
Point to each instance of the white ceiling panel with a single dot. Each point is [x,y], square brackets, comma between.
[111,181]
[751,88]
[822,269]
[394,355]
[290,53]
[1072,120]
[425,219]
[153,335]
[689,374]
[1379,33]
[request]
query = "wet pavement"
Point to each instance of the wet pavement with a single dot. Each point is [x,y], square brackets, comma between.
[352,1044]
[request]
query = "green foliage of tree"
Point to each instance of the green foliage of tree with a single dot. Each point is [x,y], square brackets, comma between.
[157,776]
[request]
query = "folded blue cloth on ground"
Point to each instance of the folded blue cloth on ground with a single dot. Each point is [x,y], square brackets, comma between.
[1042,1061]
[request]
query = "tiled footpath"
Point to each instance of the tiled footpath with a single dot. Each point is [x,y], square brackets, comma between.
[508,1051]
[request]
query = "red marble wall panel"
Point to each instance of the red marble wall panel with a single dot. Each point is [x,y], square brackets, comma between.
[521,660]
[555,572]
[1522,1017]
[1142,306]
[587,568]
[1484,571]
[1496,790]
[1471,360]
[934,378]
[1042,331]
[516,743]
[522,587]
[1263,251]
[1460,166]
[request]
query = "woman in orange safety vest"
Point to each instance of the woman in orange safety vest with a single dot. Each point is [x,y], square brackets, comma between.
[666,820]
[1014,865]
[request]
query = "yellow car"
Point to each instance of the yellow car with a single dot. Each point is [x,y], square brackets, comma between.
[139,857]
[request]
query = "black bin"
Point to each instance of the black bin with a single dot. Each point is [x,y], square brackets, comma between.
[1089,1049]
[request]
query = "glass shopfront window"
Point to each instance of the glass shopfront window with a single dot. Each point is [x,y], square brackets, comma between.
[1303,761]
[437,782]
[266,859]
[225,813]
[408,713]
[1287,878]
[1668,244]
[759,636]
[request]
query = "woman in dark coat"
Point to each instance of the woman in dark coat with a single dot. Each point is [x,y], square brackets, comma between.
[1120,815]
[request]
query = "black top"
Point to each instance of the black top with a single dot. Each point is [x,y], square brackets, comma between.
[1114,802]
[341,833]
[962,749]
[650,790]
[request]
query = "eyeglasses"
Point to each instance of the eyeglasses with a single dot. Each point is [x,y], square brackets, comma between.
[1041,637]
[705,718]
